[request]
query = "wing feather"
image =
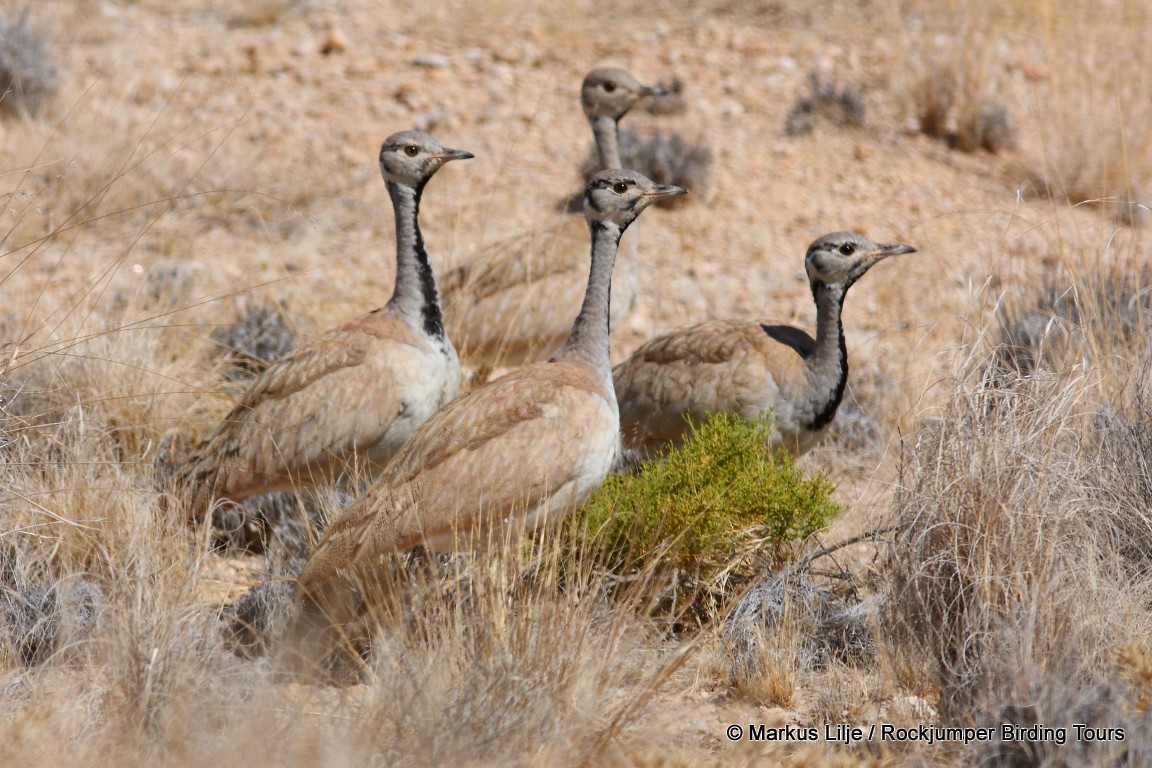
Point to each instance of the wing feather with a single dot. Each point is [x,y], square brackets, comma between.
[719,366]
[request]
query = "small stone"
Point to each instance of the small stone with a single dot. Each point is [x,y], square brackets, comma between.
[730,108]
[508,54]
[431,61]
[334,42]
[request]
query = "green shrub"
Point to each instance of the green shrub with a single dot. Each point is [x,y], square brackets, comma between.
[704,517]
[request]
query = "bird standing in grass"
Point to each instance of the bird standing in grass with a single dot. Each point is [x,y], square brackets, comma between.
[748,367]
[355,393]
[514,301]
[522,449]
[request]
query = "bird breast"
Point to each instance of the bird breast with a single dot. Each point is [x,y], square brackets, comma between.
[425,375]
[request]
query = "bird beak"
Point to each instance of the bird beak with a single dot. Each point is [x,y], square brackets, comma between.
[665,190]
[454,154]
[893,249]
[653,90]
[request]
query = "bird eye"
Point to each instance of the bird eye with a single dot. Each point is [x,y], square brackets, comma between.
[620,187]
[411,150]
[610,86]
[847,249]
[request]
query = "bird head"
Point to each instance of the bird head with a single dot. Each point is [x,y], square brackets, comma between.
[618,196]
[841,258]
[611,92]
[411,157]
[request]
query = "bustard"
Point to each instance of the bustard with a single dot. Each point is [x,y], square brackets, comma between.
[521,449]
[514,301]
[747,367]
[361,389]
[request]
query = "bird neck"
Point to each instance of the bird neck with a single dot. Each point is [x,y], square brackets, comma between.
[828,365]
[607,134]
[588,340]
[606,130]
[416,297]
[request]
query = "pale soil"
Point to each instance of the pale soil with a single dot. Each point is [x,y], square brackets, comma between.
[248,103]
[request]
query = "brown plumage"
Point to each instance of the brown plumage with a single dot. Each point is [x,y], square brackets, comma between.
[513,303]
[748,367]
[358,391]
[528,446]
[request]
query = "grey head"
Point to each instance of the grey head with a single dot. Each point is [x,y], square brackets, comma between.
[841,258]
[611,92]
[411,157]
[617,196]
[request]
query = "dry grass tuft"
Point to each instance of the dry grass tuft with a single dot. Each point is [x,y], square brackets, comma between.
[1096,145]
[788,610]
[28,76]
[1009,581]
[765,665]
[948,107]
[1065,75]
[497,668]
[39,622]
[992,128]
[1018,584]
[843,107]
[954,568]
[1119,474]
[964,78]
[257,339]
[1080,314]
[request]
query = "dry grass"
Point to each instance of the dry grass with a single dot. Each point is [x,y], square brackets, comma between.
[955,81]
[1019,581]
[1063,84]
[149,205]
[1097,148]
[826,99]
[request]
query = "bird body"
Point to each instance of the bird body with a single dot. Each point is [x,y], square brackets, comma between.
[514,301]
[523,448]
[355,393]
[557,420]
[747,367]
